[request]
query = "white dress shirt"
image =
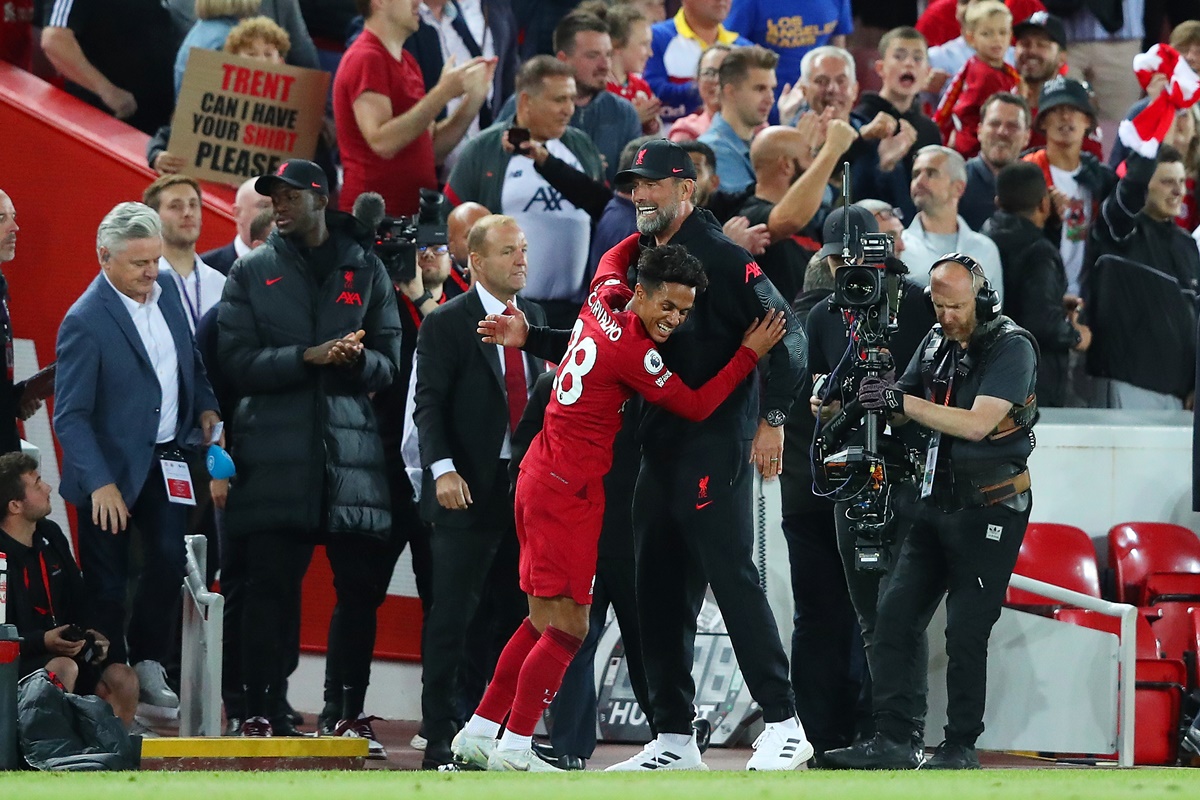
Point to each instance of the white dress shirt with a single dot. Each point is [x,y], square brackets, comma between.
[160,346]
[199,291]
[490,306]
[922,250]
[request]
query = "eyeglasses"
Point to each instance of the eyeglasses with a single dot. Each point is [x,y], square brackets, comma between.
[709,72]
[440,249]
[892,213]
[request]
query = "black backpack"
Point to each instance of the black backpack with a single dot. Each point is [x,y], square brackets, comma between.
[65,732]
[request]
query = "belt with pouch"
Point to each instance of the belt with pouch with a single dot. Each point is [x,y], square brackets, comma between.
[991,486]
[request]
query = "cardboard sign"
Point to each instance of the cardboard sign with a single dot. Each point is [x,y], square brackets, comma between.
[239,117]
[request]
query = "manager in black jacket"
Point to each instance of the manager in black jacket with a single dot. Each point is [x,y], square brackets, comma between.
[308,328]
[469,397]
[1034,277]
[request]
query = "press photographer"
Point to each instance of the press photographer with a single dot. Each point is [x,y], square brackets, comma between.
[972,384]
[47,599]
[875,317]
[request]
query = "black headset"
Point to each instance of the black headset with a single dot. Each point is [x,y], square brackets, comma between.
[987,301]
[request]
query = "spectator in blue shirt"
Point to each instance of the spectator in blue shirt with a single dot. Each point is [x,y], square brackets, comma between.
[791,28]
[747,79]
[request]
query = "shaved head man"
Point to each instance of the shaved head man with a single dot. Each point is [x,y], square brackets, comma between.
[461,219]
[247,205]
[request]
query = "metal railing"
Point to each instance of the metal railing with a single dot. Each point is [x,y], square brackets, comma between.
[203,634]
[1126,652]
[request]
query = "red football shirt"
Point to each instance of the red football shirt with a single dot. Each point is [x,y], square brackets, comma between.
[16,32]
[939,24]
[367,66]
[609,359]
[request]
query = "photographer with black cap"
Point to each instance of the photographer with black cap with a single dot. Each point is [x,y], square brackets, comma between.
[972,384]
[829,332]
[307,330]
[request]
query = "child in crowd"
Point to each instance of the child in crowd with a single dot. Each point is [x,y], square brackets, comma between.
[630,33]
[987,27]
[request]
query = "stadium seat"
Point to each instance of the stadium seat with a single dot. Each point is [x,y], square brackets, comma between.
[1059,554]
[1138,550]
[1173,626]
[1159,686]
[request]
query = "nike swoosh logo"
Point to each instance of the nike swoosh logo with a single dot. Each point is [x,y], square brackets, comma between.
[676,169]
[273,281]
[703,505]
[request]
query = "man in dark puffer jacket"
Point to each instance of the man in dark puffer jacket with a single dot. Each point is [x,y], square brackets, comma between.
[308,327]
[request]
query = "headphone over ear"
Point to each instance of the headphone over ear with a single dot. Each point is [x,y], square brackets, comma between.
[987,301]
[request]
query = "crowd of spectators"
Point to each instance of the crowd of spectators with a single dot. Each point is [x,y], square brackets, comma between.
[360,406]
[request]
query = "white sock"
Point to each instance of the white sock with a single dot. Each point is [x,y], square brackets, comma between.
[787,724]
[678,740]
[480,726]
[511,741]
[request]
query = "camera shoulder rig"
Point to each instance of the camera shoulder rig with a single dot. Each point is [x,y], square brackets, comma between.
[983,343]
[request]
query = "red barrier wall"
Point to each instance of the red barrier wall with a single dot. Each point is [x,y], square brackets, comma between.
[65,165]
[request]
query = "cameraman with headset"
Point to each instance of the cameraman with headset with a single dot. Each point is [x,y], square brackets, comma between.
[972,384]
[829,337]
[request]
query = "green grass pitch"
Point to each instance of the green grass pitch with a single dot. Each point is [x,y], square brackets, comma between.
[1043,784]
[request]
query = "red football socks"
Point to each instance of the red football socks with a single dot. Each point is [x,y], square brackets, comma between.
[498,698]
[539,679]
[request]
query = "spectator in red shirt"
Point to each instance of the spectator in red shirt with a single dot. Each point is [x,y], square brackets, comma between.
[387,127]
[987,27]
[630,33]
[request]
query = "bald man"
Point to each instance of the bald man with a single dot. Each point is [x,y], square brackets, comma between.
[787,195]
[247,205]
[462,218]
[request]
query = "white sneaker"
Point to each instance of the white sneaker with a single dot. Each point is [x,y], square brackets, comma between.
[472,751]
[418,742]
[659,756]
[152,678]
[780,748]
[517,761]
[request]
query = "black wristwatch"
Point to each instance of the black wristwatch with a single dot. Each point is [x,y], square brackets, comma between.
[775,417]
[420,301]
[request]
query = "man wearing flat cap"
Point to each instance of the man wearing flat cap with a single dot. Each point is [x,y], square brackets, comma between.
[308,328]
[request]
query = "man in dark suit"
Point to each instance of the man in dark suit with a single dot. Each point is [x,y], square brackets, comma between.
[432,41]
[247,205]
[15,401]
[131,396]
[469,397]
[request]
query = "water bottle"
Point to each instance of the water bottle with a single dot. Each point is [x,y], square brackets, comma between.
[10,665]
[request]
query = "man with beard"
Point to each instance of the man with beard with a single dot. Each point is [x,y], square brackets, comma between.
[1003,134]
[1078,182]
[747,77]
[176,198]
[787,196]
[939,178]
[692,500]
[1040,48]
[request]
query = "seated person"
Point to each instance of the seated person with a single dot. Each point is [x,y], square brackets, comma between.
[47,600]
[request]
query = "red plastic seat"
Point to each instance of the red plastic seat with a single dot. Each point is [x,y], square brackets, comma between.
[1159,686]
[1137,550]
[1059,554]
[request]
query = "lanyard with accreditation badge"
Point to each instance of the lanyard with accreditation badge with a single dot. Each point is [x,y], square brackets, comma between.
[935,439]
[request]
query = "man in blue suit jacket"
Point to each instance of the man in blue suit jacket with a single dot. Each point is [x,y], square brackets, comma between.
[130,394]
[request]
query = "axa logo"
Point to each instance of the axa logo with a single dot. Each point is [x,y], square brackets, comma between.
[349,299]
[753,270]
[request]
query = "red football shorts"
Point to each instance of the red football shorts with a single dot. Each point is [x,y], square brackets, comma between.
[558,534]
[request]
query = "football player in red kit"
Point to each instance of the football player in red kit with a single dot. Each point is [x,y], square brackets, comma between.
[612,355]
